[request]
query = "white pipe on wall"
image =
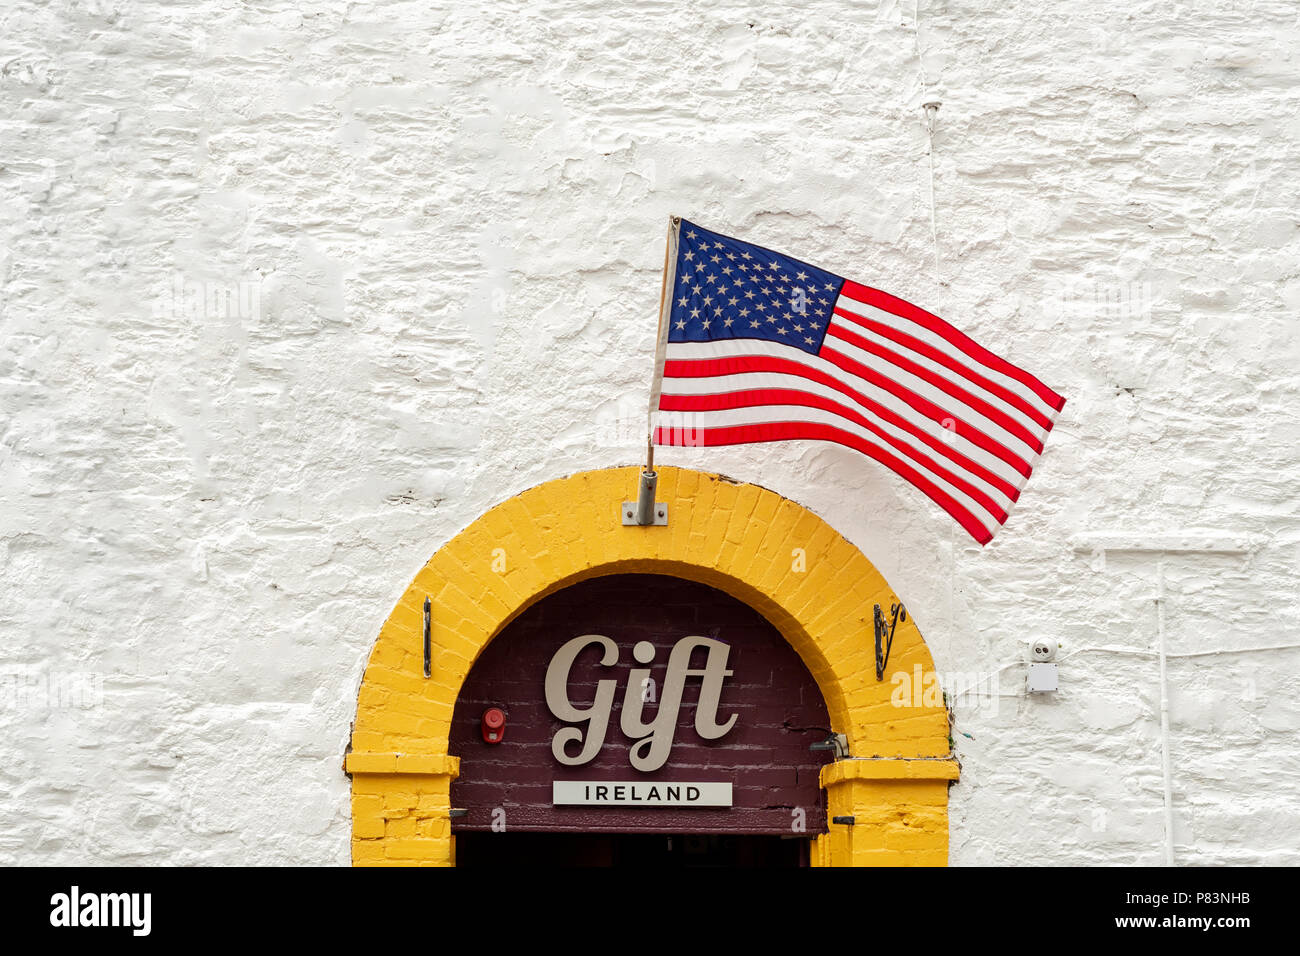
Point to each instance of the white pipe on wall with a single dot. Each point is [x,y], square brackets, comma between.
[1165,761]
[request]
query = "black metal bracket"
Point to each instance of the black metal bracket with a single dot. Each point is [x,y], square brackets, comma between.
[885,634]
[844,821]
[427,649]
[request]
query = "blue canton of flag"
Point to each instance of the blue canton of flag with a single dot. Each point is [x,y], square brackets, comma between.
[727,289]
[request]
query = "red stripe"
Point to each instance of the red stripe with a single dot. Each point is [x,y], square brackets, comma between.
[735,365]
[998,417]
[947,361]
[928,408]
[900,307]
[785,431]
[758,397]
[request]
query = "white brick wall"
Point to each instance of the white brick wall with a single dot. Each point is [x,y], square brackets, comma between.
[427,239]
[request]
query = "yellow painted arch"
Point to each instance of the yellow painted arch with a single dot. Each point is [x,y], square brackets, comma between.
[814,586]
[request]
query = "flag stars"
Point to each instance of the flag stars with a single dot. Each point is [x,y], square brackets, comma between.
[720,305]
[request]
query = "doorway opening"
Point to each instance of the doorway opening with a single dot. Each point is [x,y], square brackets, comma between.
[652,850]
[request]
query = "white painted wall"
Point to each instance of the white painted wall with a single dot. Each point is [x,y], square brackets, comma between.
[443,226]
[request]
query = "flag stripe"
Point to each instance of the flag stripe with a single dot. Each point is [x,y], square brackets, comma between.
[848,304]
[941,357]
[757,398]
[998,418]
[993,472]
[788,430]
[748,355]
[927,405]
[899,307]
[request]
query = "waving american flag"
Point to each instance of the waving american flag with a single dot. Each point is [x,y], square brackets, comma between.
[759,347]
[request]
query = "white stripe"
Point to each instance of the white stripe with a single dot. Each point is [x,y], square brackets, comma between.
[916,330]
[947,374]
[735,348]
[954,406]
[772,414]
[723,384]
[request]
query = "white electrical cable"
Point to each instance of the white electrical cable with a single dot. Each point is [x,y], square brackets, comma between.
[1164,715]
[1138,652]
[938,286]
[934,230]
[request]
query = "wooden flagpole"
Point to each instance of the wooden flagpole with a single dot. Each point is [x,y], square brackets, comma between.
[661,338]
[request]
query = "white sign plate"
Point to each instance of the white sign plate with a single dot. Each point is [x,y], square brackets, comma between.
[626,793]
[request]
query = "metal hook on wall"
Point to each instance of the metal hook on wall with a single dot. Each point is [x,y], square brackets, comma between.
[885,635]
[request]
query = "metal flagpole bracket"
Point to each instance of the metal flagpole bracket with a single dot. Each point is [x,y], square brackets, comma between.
[885,635]
[645,511]
[658,510]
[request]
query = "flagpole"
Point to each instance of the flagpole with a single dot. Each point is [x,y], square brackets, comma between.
[646,485]
[661,339]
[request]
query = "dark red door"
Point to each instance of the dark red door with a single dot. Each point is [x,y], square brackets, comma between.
[510,787]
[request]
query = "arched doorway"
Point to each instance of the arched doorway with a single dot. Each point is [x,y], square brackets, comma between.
[763,718]
[886,801]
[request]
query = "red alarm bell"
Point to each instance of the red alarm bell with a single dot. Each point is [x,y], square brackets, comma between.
[494,725]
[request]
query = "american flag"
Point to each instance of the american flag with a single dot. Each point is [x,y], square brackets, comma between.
[760,347]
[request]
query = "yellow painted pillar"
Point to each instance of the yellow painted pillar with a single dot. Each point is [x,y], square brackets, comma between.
[401,809]
[899,808]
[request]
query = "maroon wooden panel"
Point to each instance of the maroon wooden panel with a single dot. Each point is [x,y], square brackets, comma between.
[765,756]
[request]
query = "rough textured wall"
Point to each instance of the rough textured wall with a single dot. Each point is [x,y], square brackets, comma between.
[289,296]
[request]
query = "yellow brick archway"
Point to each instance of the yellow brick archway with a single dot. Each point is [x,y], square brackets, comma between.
[788,564]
